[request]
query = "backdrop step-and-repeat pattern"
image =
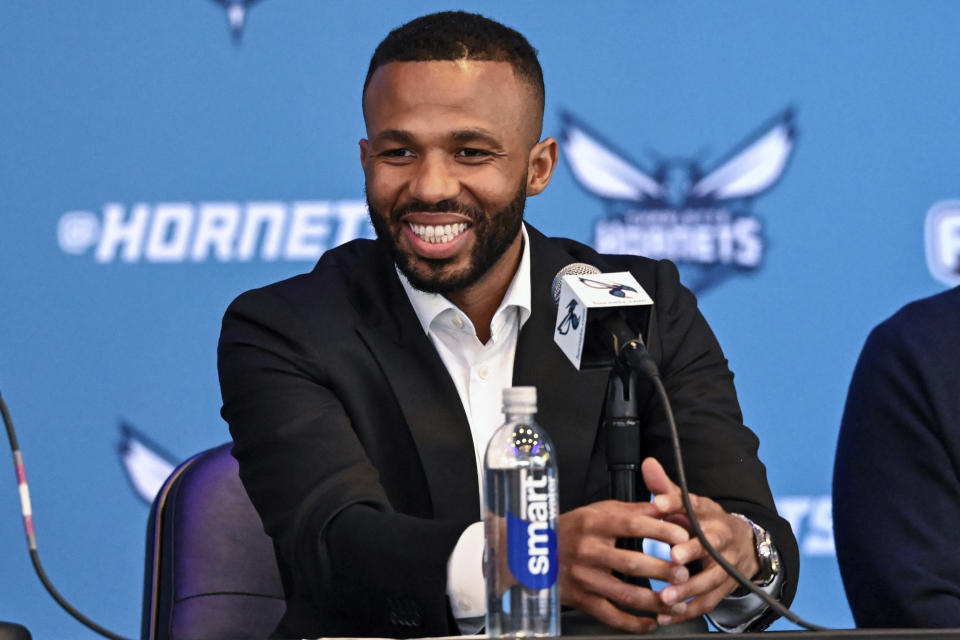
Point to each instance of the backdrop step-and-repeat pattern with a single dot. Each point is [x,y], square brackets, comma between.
[797,160]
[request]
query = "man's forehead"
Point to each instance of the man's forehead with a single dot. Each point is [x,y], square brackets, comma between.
[486,87]
[445,77]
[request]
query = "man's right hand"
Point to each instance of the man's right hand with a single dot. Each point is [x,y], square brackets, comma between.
[587,539]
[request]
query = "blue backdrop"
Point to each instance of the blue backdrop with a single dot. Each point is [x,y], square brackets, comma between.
[154,166]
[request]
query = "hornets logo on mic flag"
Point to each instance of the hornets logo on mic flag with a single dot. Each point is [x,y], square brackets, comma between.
[578,293]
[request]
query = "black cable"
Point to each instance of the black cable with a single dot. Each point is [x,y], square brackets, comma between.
[31,536]
[732,571]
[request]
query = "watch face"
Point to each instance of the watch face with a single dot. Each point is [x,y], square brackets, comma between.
[766,552]
[768,556]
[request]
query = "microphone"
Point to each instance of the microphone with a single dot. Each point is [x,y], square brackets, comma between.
[593,328]
[594,332]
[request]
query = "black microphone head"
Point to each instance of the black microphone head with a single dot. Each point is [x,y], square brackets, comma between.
[572,269]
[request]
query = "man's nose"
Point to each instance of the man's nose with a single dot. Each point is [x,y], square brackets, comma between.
[435,180]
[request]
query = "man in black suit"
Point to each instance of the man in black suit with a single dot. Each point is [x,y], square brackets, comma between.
[355,393]
[901,432]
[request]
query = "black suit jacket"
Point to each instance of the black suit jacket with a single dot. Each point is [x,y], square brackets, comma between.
[896,480]
[357,453]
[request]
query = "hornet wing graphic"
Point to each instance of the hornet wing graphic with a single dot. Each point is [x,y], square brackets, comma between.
[755,168]
[146,465]
[602,171]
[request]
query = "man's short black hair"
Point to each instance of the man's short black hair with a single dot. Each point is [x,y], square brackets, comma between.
[457,35]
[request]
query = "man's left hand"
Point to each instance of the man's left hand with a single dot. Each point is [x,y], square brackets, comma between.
[728,534]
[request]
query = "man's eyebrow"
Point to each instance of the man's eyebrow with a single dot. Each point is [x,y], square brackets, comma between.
[476,135]
[460,136]
[394,135]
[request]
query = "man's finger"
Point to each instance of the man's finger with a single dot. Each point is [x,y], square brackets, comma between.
[635,563]
[710,579]
[667,497]
[656,479]
[612,519]
[696,607]
[693,549]
[585,580]
[680,519]
[735,544]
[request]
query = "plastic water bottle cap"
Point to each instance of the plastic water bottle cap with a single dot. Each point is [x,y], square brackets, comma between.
[519,396]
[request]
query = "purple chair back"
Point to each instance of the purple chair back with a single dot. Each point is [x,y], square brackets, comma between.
[210,569]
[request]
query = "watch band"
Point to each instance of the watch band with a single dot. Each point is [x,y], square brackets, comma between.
[767,554]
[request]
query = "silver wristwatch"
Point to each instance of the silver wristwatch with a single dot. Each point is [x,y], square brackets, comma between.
[767,554]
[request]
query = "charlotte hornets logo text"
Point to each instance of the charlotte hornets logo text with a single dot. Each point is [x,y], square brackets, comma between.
[700,219]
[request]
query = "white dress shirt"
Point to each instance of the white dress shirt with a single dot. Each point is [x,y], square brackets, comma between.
[480,372]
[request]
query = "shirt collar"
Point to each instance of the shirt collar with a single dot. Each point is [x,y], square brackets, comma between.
[428,306]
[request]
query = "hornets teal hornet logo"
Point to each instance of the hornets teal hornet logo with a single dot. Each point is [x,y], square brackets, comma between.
[701,219]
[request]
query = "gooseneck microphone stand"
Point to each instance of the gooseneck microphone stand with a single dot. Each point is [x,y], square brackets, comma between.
[622,426]
[633,359]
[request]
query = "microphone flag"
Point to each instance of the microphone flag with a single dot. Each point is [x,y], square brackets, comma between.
[584,297]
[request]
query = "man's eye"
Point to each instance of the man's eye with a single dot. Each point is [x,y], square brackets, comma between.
[397,153]
[472,153]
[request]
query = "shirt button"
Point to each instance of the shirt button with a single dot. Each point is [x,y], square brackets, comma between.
[483,372]
[457,322]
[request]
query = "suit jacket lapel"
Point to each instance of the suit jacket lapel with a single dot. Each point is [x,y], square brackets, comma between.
[569,402]
[424,390]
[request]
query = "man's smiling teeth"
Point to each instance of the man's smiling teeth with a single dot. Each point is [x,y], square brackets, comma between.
[438,233]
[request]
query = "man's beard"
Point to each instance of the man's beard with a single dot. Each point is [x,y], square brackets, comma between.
[493,234]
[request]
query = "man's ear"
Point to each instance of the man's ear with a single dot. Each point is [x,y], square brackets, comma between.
[364,152]
[540,165]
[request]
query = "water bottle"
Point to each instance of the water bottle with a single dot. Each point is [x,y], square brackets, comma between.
[520,523]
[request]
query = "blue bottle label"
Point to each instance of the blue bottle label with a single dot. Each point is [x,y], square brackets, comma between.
[531,541]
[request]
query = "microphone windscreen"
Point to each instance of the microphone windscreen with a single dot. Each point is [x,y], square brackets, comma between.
[572,269]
